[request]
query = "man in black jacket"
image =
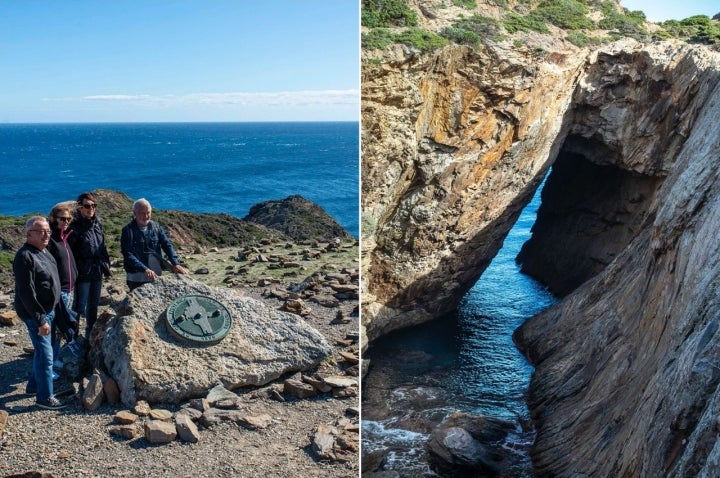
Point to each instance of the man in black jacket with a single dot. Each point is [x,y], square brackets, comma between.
[37,292]
[142,243]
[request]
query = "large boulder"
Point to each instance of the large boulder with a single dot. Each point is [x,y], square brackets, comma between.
[149,363]
[469,445]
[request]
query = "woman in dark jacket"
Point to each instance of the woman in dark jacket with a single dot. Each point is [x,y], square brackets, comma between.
[87,240]
[60,218]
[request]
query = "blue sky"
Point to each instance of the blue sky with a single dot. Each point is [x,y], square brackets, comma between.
[661,10]
[179,60]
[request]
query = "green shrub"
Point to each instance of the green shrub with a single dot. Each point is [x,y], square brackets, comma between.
[377,39]
[460,36]
[566,14]
[631,24]
[6,260]
[484,27]
[699,28]
[580,39]
[514,23]
[421,39]
[607,7]
[472,30]
[661,35]
[469,4]
[697,21]
[387,13]
[636,16]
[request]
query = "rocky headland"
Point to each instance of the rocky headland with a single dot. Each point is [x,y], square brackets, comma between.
[277,396]
[457,139]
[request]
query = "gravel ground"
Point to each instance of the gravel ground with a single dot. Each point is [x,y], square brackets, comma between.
[75,442]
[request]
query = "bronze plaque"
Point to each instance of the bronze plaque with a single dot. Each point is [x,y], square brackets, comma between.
[199,319]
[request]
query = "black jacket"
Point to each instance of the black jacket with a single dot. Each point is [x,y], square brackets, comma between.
[37,284]
[88,246]
[61,251]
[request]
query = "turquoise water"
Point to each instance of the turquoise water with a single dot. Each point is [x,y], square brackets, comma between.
[199,167]
[463,362]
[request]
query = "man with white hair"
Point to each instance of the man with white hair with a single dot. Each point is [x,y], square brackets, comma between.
[37,292]
[142,243]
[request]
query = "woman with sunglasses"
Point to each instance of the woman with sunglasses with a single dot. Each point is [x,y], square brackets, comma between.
[91,256]
[60,218]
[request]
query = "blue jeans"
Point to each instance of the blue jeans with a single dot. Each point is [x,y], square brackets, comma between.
[40,376]
[87,296]
[66,297]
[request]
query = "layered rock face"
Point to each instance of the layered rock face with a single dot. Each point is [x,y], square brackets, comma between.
[632,112]
[627,378]
[454,145]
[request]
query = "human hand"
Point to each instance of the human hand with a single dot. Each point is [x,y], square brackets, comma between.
[150,274]
[44,329]
[178,269]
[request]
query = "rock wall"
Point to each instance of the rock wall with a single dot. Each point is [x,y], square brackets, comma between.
[632,112]
[626,380]
[454,144]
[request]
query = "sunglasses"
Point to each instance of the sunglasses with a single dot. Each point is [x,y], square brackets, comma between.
[64,219]
[89,206]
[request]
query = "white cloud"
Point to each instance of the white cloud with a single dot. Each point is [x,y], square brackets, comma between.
[281,98]
[116,97]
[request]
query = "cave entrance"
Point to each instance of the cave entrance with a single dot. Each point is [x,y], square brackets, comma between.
[589,212]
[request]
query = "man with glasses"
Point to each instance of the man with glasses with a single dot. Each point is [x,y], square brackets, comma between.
[91,257]
[37,292]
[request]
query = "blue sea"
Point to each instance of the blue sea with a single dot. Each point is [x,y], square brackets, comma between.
[463,362]
[198,167]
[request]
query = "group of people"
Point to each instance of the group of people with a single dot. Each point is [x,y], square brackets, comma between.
[61,267]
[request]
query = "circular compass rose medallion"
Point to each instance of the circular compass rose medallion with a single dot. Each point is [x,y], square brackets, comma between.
[199,319]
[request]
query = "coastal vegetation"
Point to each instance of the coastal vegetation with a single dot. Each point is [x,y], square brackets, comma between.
[581,22]
[379,14]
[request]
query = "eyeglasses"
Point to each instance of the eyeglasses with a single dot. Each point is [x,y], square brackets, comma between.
[64,219]
[89,206]
[44,232]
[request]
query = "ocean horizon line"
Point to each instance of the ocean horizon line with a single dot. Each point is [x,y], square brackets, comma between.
[172,122]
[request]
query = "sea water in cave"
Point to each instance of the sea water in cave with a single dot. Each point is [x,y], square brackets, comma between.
[463,362]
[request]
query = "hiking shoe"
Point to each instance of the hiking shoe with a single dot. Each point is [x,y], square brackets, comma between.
[30,390]
[58,364]
[51,403]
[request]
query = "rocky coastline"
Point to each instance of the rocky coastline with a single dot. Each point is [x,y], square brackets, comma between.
[456,140]
[298,421]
